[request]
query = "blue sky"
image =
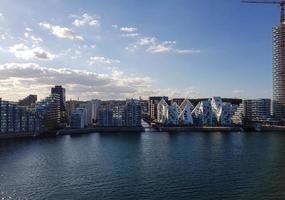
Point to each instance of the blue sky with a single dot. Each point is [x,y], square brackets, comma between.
[130,48]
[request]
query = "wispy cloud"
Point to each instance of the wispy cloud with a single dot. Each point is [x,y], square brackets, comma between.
[128,29]
[130,34]
[187,51]
[102,60]
[34,39]
[85,19]
[61,32]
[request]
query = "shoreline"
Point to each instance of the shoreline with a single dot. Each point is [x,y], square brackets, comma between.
[201,129]
[100,130]
[264,129]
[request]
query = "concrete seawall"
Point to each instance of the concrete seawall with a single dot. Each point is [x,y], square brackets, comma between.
[100,130]
[200,129]
[17,135]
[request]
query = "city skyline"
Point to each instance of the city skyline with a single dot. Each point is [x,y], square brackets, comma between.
[98,50]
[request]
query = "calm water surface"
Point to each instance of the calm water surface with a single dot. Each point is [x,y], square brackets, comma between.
[145,166]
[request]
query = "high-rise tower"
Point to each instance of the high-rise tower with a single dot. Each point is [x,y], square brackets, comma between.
[278,64]
[278,60]
[59,90]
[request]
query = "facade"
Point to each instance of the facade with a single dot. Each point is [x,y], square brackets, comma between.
[71,105]
[76,120]
[256,110]
[278,64]
[28,101]
[202,114]
[79,118]
[105,118]
[152,106]
[144,106]
[59,90]
[17,119]
[185,114]
[174,114]
[92,108]
[49,112]
[133,113]
[238,114]
[222,112]
[119,113]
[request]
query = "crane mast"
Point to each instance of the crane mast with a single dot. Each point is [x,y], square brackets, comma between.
[281,3]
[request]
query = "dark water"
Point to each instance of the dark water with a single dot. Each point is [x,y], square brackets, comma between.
[145,166]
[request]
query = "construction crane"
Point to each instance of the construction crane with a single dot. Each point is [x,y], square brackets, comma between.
[281,3]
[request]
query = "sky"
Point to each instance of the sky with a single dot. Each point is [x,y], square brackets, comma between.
[110,49]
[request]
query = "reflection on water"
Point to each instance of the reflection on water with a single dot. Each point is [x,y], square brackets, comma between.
[145,166]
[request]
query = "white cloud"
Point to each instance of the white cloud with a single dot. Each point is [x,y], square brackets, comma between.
[35,40]
[4,35]
[20,79]
[146,41]
[153,45]
[165,46]
[128,29]
[28,29]
[29,53]
[86,19]
[93,46]
[130,35]
[187,51]
[102,60]
[115,26]
[61,32]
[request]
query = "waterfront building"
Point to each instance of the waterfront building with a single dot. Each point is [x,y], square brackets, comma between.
[112,114]
[120,113]
[167,114]
[222,112]
[133,113]
[202,113]
[278,62]
[71,105]
[49,112]
[185,115]
[79,118]
[256,110]
[17,119]
[28,101]
[144,106]
[152,106]
[95,110]
[92,110]
[105,115]
[58,89]
[238,114]
[84,114]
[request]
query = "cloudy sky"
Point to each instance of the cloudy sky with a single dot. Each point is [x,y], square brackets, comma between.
[112,49]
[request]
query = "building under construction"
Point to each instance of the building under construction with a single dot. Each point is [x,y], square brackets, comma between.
[278,62]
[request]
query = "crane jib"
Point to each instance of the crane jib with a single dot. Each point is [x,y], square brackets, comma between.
[281,3]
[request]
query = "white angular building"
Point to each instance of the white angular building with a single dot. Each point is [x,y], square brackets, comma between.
[222,112]
[167,114]
[174,114]
[202,113]
[185,114]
